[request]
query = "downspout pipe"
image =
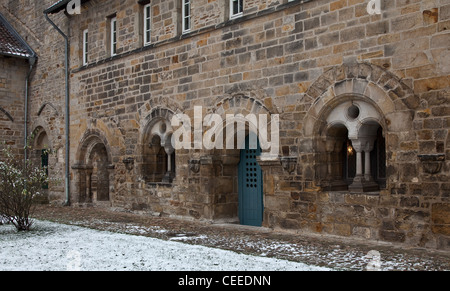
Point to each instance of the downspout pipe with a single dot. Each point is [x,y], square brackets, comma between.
[32,61]
[67,109]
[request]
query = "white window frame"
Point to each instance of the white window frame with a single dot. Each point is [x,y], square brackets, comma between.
[238,13]
[186,15]
[85,46]
[113,36]
[147,21]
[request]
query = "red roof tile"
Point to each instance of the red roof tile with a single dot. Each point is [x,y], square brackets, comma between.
[11,44]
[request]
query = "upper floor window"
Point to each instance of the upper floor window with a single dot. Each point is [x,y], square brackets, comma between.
[186,16]
[113,36]
[147,24]
[236,8]
[85,47]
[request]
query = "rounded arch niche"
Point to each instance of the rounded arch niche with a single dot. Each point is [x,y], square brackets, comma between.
[157,160]
[351,147]
[391,100]
[41,149]
[94,171]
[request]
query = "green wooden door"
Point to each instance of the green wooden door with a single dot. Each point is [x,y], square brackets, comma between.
[250,187]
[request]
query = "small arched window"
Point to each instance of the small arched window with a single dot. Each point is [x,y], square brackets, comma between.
[40,152]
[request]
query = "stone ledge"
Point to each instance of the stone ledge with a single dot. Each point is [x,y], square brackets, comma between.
[431,157]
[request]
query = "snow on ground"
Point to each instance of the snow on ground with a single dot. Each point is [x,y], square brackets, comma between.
[57,247]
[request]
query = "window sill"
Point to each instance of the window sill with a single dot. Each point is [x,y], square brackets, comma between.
[161,184]
[373,193]
[239,15]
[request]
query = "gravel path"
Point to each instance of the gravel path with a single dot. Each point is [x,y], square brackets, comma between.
[326,251]
[57,247]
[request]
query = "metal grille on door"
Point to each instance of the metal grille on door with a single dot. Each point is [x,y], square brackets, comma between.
[252,177]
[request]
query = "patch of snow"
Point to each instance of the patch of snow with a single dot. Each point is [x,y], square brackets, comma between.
[186,238]
[56,247]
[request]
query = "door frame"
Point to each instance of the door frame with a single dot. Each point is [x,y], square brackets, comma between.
[242,175]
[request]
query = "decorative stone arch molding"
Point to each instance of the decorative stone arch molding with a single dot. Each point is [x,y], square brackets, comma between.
[240,104]
[40,141]
[7,114]
[50,105]
[90,138]
[378,97]
[45,137]
[48,119]
[249,110]
[40,138]
[150,108]
[41,154]
[395,100]
[222,164]
[46,148]
[40,125]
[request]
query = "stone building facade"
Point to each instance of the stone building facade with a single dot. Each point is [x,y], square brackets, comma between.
[362,102]
[45,122]
[14,69]
[12,101]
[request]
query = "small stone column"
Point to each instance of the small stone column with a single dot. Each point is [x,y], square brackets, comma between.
[357,181]
[369,183]
[170,175]
[89,192]
[367,171]
[79,184]
[363,182]
[330,147]
[338,183]
[359,172]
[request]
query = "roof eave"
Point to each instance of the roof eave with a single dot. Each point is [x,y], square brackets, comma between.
[59,6]
[31,53]
[19,56]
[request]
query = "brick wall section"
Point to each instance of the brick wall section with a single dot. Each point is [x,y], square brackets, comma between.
[46,91]
[292,59]
[287,57]
[12,99]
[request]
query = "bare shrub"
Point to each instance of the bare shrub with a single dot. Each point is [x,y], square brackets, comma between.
[20,184]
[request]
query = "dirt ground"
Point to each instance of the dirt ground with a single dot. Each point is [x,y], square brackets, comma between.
[320,250]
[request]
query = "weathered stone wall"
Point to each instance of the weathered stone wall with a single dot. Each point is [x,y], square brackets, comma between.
[46,91]
[12,99]
[295,62]
[298,60]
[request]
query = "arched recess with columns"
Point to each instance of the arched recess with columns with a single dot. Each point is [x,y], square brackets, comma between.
[355,109]
[157,160]
[94,171]
[242,117]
